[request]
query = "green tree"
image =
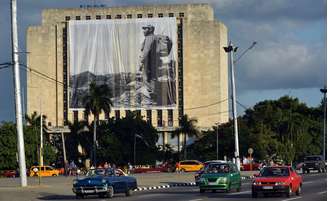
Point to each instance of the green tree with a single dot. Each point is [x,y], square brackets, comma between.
[97,99]
[187,128]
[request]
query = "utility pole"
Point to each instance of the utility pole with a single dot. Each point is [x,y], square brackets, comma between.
[324,91]
[18,105]
[231,49]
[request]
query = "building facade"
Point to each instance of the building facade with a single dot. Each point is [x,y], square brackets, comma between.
[202,64]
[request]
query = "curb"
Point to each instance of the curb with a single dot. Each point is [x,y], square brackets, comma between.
[176,185]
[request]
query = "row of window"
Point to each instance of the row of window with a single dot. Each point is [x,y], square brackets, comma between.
[148,117]
[98,17]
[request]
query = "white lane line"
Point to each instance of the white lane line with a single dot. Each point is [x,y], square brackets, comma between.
[242,192]
[307,182]
[322,192]
[292,199]
[196,200]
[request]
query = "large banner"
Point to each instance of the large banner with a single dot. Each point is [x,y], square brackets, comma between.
[136,58]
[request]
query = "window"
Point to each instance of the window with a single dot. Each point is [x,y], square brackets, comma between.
[139,16]
[181,14]
[108,17]
[170,118]
[88,17]
[160,14]
[117,114]
[171,14]
[159,118]
[75,116]
[77,17]
[67,18]
[149,117]
[118,16]
[150,15]
[129,16]
[98,17]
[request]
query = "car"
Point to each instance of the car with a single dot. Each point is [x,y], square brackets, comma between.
[10,173]
[201,171]
[43,171]
[277,179]
[189,166]
[314,162]
[104,183]
[220,176]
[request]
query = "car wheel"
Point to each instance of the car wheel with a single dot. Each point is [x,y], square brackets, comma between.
[201,190]
[239,187]
[79,196]
[254,194]
[54,175]
[128,192]
[229,188]
[299,190]
[289,192]
[110,192]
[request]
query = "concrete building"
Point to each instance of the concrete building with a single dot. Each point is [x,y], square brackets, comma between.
[202,64]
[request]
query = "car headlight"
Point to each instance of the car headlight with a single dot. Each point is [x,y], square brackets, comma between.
[256,183]
[75,181]
[103,181]
[222,180]
[202,180]
[280,183]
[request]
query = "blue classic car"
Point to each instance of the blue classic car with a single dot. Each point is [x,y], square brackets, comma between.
[104,183]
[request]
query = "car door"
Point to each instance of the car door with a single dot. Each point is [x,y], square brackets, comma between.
[295,178]
[235,175]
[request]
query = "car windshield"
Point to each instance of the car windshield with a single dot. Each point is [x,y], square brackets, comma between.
[217,168]
[100,172]
[274,172]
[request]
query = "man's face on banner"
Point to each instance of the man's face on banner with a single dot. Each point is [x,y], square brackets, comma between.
[148,30]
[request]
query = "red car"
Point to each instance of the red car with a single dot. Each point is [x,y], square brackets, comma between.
[10,173]
[277,179]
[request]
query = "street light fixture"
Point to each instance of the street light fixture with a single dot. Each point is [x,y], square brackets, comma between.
[232,49]
[324,92]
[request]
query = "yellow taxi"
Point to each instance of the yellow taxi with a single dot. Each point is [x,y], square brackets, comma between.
[43,171]
[189,166]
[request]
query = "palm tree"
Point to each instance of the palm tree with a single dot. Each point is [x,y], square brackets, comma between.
[96,101]
[187,128]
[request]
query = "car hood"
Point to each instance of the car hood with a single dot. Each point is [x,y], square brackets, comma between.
[271,179]
[210,175]
[96,180]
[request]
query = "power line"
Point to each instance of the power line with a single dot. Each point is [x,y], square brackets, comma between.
[243,106]
[40,74]
[203,106]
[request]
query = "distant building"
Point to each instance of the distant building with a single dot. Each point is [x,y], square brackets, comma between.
[201,68]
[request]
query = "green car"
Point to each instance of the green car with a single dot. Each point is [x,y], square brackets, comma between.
[220,176]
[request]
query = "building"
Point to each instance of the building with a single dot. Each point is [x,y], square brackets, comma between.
[202,64]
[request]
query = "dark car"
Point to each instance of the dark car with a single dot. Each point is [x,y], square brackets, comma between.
[104,183]
[315,162]
[277,179]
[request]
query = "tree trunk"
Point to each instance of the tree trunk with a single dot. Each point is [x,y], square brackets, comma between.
[185,146]
[94,141]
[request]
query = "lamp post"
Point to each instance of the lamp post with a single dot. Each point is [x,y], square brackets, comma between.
[324,91]
[231,49]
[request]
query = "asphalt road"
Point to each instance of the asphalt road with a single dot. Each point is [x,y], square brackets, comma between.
[314,189]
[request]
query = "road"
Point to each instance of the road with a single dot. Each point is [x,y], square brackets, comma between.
[314,189]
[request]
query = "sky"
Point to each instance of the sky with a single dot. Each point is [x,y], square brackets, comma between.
[290,57]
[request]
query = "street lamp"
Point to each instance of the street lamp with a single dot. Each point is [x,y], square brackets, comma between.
[232,49]
[324,92]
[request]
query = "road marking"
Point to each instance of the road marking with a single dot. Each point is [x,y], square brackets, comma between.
[292,199]
[242,192]
[307,182]
[196,200]
[322,192]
